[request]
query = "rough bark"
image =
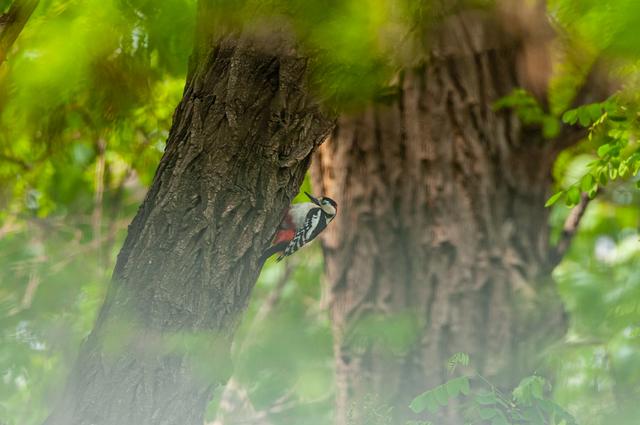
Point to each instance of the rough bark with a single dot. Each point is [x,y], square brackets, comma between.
[12,23]
[239,147]
[442,226]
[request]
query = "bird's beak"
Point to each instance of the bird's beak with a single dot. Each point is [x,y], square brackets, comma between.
[313,199]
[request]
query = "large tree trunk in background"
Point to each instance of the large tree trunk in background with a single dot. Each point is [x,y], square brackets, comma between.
[442,225]
[240,144]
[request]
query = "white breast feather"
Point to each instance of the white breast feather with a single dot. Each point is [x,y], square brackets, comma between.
[299,212]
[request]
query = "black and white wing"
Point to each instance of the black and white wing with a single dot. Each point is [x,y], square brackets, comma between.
[314,223]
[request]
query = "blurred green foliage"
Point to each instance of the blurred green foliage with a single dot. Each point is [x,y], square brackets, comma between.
[480,401]
[355,45]
[599,363]
[86,99]
[530,112]
[611,143]
[283,351]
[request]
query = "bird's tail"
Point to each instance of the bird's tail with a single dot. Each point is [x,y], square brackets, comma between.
[279,247]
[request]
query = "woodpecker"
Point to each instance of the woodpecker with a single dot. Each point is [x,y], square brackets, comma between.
[301,224]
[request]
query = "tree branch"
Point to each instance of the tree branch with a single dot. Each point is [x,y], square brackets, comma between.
[12,23]
[569,229]
[17,161]
[29,293]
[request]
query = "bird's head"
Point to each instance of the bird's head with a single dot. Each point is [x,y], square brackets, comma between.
[327,205]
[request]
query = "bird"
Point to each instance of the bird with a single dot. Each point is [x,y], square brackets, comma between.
[301,224]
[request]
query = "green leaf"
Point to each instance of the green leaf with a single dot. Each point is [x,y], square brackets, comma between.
[487,413]
[602,178]
[573,196]
[604,149]
[635,161]
[426,400]
[587,182]
[456,386]
[453,387]
[530,388]
[486,399]
[570,116]
[420,403]
[584,117]
[456,359]
[623,169]
[432,404]
[441,395]
[465,388]
[536,389]
[610,106]
[594,110]
[554,198]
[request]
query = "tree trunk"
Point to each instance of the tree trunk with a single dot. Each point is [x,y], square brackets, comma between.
[239,147]
[441,243]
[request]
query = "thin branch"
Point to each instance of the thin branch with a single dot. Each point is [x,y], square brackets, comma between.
[17,161]
[29,293]
[12,23]
[569,229]
[98,199]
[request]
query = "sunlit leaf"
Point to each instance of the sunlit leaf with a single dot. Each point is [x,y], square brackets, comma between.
[554,198]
